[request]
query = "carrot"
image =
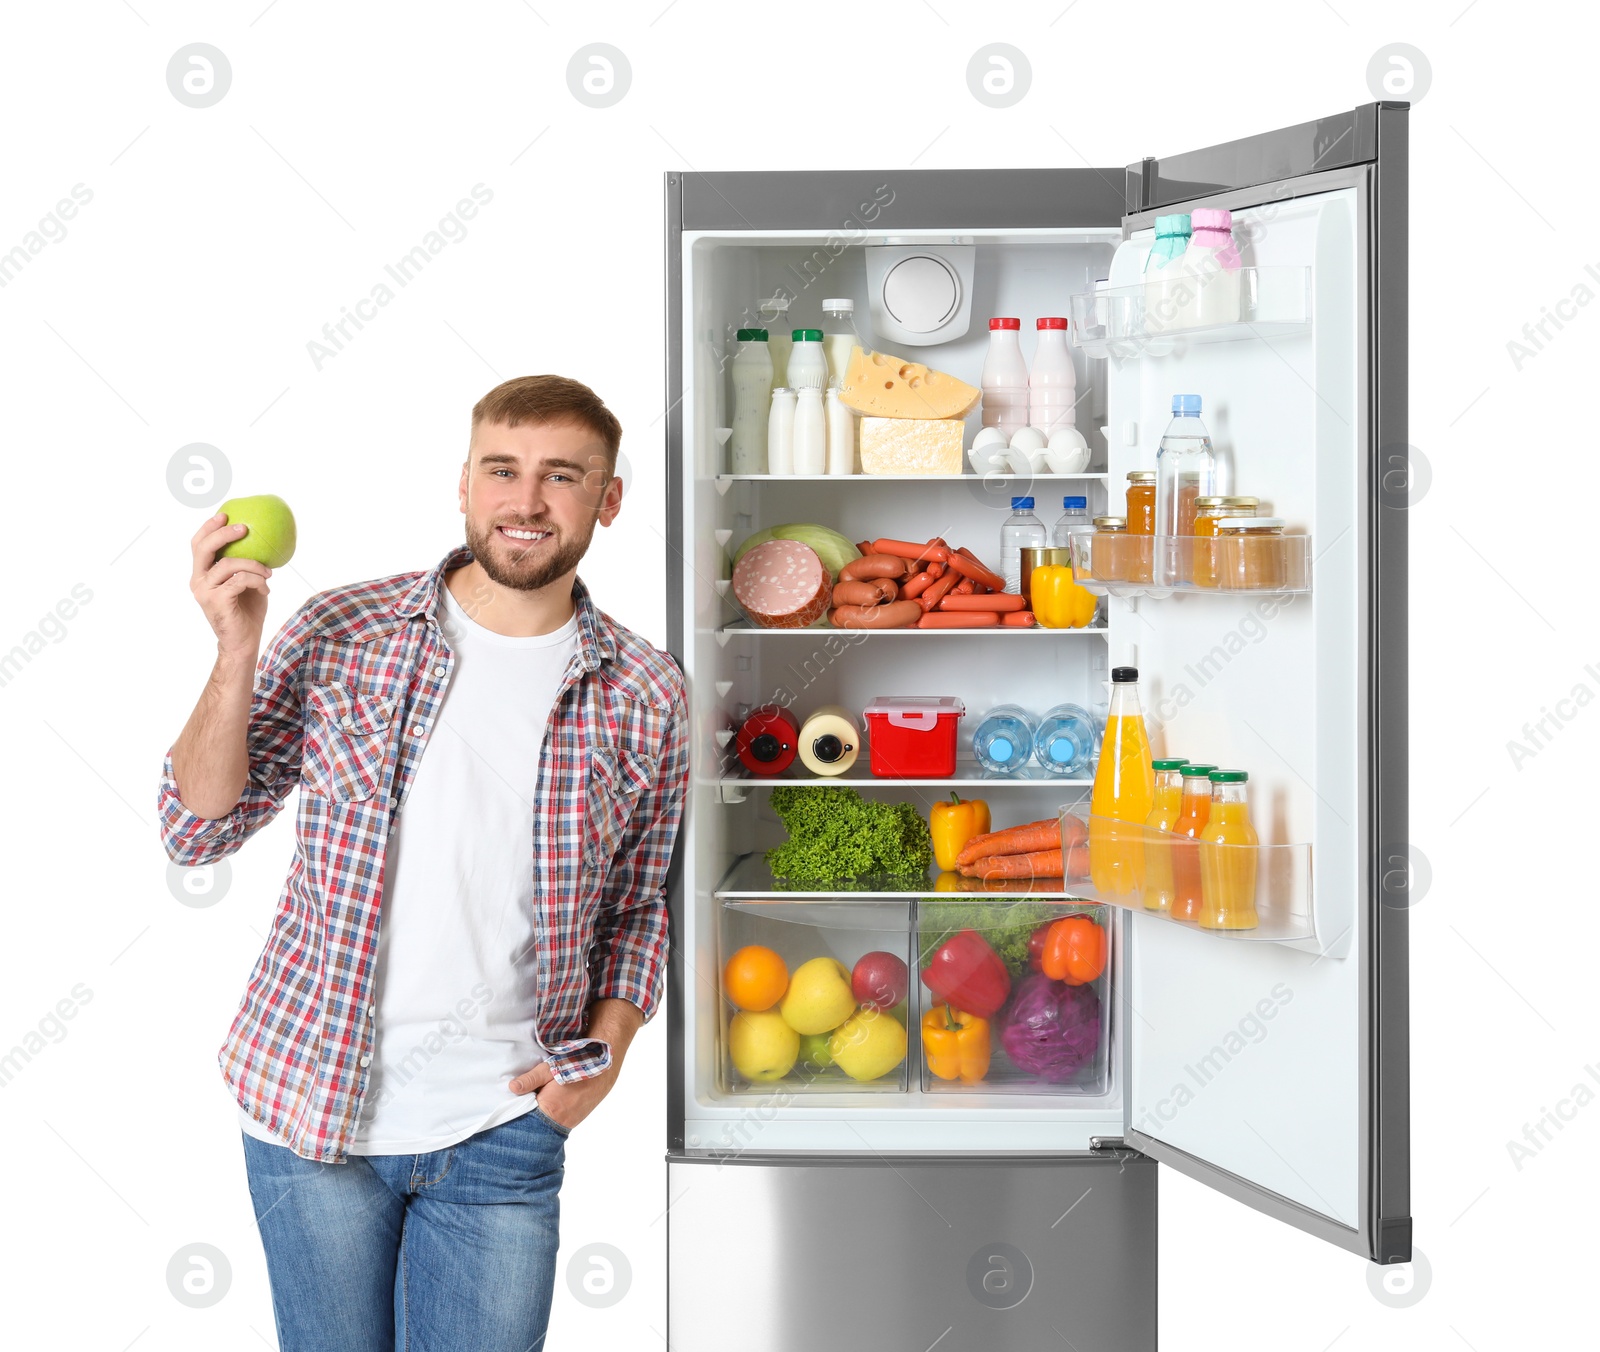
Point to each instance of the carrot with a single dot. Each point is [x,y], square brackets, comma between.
[969,567]
[936,593]
[919,583]
[993,601]
[1041,864]
[905,549]
[958,619]
[1020,619]
[1045,834]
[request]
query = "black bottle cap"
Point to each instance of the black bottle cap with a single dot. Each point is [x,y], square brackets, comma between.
[827,748]
[1122,675]
[765,747]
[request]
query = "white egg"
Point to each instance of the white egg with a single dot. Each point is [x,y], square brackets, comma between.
[1029,439]
[1068,452]
[988,436]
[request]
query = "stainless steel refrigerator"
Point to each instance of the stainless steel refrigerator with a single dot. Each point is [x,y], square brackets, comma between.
[1270,1064]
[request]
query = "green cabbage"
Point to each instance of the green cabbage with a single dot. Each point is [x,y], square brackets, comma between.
[832,548]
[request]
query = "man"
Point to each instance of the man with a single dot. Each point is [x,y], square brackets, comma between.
[491,775]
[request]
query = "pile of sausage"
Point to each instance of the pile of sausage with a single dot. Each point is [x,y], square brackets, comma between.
[898,584]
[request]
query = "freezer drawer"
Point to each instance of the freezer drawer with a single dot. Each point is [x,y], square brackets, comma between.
[862,1253]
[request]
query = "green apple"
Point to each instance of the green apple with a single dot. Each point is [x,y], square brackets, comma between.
[270,539]
[868,1044]
[818,998]
[814,1051]
[761,1045]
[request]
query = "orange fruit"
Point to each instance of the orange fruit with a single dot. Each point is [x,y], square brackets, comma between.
[755,978]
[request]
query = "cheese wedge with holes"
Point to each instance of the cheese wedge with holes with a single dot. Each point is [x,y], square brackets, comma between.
[881,385]
[911,445]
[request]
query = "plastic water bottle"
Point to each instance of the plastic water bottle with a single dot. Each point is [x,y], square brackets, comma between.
[1186,468]
[1022,530]
[1066,741]
[1004,739]
[1073,521]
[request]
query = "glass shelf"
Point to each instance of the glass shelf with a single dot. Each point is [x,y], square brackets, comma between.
[987,476]
[1159,565]
[1154,318]
[749,877]
[1035,631]
[1271,884]
[969,774]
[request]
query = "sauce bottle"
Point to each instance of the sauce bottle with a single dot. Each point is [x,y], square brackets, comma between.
[1124,791]
[1193,813]
[768,740]
[829,741]
[1158,883]
[1228,856]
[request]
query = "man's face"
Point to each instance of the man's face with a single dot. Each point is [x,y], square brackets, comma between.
[532,495]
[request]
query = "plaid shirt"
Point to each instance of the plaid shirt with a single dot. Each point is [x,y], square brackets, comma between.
[343,702]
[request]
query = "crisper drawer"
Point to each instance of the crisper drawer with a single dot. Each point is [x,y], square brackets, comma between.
[912,997]
[870,1252]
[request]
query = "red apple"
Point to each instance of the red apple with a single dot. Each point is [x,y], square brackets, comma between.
[879,980]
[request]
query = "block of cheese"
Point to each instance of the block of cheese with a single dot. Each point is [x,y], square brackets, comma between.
[911,445]
[881,385]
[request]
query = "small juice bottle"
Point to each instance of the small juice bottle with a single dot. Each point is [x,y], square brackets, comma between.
[1193,813]
[1227,873]
[1124,791]
[1163,817]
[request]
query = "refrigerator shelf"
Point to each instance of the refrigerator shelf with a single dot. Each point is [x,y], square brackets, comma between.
[969,774]
[1034,632]
[1272,880]
[993,476]
[749,877]
[1152,319]
[1280,565]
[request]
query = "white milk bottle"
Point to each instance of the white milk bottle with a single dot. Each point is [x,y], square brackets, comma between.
[1165,296]
[780,433]
[838,337]
[775,319]
[841,422]
[1005,378]
[810,431]
[752,395]
[808,363]
[1052,383]
[1212,264]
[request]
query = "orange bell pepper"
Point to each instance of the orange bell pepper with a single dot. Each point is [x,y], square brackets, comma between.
[1074,950]
[953,824]
[956,1044]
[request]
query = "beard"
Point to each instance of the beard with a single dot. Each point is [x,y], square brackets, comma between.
[523,565]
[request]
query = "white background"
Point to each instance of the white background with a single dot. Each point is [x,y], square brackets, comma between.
[219,241]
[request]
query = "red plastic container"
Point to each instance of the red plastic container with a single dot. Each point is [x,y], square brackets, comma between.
[768,740]
[913,736]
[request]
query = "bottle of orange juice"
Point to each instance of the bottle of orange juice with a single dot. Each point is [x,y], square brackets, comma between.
[1227,873]
[1124,791]
[1157,889]
[1193,812]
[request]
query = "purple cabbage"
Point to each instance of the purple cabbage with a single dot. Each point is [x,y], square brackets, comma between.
[1049,1028]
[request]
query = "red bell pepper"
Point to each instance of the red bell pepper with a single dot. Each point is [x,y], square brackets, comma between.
[966,972]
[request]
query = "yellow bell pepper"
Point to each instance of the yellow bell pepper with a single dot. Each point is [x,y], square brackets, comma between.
[1058,601]
[956,1044]
[953,824]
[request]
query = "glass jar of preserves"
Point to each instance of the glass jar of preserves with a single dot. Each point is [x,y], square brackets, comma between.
[1252,553]
[1142,502]
[1108,549]
[1208,511]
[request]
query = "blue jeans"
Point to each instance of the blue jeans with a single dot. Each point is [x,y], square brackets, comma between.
[449,1251]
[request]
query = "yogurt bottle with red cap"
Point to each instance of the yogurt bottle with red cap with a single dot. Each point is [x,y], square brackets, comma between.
[1005,378]
[1052,383]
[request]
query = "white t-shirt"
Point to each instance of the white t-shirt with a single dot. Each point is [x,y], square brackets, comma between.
[455,998]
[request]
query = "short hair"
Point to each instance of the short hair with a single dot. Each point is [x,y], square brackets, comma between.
[550,399]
